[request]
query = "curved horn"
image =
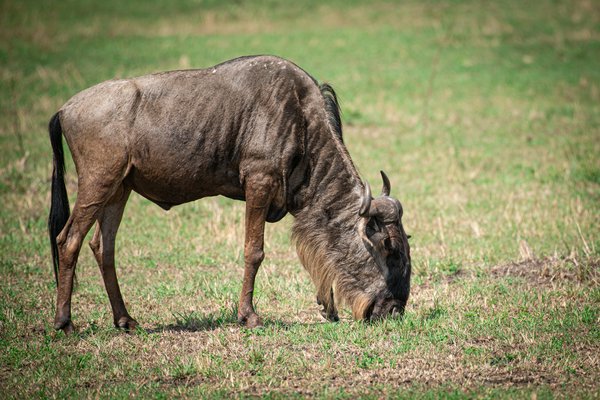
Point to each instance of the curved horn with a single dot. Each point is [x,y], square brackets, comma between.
[385,191]
[365,204]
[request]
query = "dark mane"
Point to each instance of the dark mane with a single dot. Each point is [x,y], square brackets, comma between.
[333,108]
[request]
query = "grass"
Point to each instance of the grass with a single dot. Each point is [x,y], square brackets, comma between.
[486,118]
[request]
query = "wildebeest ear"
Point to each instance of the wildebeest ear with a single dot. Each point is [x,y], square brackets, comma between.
[374,234]
[374,240]
[377,238]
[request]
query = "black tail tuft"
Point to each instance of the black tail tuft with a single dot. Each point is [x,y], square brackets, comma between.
[59,206]
[333,108]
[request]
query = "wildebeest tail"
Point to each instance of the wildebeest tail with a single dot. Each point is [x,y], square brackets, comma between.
[333,108]
[59,205]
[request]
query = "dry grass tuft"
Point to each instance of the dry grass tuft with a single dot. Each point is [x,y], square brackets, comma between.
[552,271]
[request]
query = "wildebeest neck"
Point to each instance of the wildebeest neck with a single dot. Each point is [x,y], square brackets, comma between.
[325,230]
[330,182]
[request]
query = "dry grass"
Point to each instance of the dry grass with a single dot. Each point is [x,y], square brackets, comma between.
[451,337]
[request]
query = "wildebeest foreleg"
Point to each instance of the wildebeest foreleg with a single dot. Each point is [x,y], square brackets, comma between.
[329,311]
[259,193]
[103,246]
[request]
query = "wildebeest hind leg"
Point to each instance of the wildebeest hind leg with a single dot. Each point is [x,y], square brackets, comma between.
[259,193]
[103,247]
[88,205]
[92,195]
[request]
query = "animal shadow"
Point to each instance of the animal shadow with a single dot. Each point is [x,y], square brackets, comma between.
[198,322]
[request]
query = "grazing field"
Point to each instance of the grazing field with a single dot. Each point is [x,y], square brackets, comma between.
[486,117]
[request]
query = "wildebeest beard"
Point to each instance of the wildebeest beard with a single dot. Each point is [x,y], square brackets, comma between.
[344,270]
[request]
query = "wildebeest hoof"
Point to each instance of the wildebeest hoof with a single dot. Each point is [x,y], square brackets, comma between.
[127,323]
[328,311]
[330,316]
[66,326]
[252,321]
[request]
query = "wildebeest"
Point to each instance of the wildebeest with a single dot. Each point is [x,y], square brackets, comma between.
[258,129]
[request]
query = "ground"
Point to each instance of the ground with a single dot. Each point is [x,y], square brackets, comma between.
[486,117]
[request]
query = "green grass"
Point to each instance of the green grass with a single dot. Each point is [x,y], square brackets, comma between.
[486,117]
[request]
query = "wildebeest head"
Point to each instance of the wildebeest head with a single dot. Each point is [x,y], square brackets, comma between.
[386,241]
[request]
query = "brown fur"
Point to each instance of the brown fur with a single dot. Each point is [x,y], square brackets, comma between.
[258,129]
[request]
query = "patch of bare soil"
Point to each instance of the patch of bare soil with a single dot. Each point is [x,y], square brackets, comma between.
[551,271]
